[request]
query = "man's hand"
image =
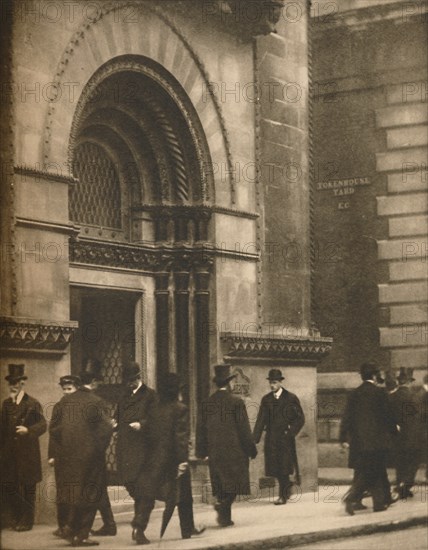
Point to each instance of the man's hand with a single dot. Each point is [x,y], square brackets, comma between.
[345,445]
[51,461]
[21,430]
[135,426]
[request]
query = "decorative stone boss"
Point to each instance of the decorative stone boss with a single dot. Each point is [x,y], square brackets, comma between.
[249,17]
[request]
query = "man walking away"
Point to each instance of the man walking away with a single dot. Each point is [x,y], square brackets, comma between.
[405,408]
[22,423]
[224,436]
[282,417]
[366,428]
[90,380]
[79,435]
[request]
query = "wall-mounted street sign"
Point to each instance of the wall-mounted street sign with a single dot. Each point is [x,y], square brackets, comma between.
[342,188]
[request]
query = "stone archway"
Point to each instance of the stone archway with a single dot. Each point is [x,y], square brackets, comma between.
[143,202]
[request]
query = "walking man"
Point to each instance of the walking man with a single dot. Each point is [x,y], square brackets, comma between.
[79,435]
[224,436]
[90,380]
[22,423]
[366,428]
[135,438]
[168,476]
[281,416]
[406,411]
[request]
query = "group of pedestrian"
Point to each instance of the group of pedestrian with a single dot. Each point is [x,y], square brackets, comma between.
[152,449]
[153,446]
[384,426]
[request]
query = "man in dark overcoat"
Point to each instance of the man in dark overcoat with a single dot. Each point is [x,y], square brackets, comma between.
[406,452]
[22,423]
[224,436]
[79,435]
[169,475]
[366,428]
[90,379]
[281,415]
[136,437]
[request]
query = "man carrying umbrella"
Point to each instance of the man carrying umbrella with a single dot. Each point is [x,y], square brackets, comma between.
[169,478]
[224,435]
[282,417]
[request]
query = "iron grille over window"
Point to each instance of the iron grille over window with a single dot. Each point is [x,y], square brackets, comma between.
[95,200]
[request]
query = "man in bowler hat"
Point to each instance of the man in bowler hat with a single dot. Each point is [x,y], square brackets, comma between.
[366,428]
[22,423]
[281,416]
[224,436]
[406,413]
[91,378]
[135,422]
[79,435]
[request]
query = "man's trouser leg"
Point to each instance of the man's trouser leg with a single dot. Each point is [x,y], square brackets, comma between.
[374,472]
[104,507]
[83,518]
[358,486]
[143,508]
[284,486]
[28,504]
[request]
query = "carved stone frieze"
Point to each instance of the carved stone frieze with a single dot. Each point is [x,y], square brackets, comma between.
[35,335]
[138,257]
[306,349]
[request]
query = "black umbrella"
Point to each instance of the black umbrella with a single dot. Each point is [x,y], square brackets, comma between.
[172,497]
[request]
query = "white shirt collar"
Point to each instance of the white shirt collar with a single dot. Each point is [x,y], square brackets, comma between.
[138,387]
[19,397]
[277,393]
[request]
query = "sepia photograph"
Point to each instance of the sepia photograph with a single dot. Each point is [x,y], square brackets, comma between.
[214,274]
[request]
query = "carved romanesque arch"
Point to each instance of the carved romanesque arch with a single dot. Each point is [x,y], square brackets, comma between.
[99,45]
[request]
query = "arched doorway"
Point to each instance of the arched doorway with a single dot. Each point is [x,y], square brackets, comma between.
[143,204]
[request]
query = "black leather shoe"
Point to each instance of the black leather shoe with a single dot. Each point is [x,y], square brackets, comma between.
[280,501]
[105,531]
[79,542]
[226,523]
[198,530]
[359,506]
[140,537]
[380,508]
[23,527]
[349,507]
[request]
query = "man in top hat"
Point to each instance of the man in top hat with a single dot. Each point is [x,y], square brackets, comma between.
[366,428]
[224,436]
[135,416]
[91,378]
[281,416]
[406,453]
[169,475]
[22,423]
[79,435]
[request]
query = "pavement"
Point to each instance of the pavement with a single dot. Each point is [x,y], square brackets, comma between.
[305,519]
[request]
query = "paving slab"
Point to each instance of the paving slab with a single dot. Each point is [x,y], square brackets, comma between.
[259,523]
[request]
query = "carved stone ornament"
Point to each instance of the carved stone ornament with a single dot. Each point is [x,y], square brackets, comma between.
[296,350]
[18,333]
[141,258]
[249,17]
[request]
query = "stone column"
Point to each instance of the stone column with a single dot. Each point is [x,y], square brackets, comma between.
[162,324]
[202,358]
[182,329]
